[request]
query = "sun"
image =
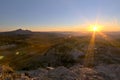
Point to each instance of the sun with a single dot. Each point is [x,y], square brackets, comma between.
[95,28]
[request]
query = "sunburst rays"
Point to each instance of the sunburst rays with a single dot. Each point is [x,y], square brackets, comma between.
[89,57]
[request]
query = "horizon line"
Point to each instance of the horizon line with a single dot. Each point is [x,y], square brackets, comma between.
[58,30]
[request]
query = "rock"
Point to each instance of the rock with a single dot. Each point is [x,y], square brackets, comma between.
[110,72]
[49,68]
[85,73]
[37,73]
[60,73]
[76,72]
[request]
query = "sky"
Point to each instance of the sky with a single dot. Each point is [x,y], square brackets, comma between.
[59,15]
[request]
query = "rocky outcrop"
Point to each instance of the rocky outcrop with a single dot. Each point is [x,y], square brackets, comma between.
[111,72]
[60,73]
[37,73]
[76,72]
[85,73]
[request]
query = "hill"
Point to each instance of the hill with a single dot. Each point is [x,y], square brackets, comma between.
[26,52]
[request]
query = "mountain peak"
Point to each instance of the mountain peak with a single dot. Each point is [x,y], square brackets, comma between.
[21,31]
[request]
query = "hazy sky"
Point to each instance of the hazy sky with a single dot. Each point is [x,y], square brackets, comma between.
[44,15]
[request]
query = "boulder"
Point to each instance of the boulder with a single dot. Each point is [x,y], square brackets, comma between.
[60,73]
[110,72]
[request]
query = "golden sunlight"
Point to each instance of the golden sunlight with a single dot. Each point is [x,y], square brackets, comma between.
[95,28]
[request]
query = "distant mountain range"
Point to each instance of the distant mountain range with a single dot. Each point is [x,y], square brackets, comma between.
[18,31]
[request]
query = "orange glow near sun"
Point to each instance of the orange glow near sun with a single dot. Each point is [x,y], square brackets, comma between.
[95,28]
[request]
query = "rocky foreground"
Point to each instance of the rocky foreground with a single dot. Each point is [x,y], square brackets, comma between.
[76,72]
